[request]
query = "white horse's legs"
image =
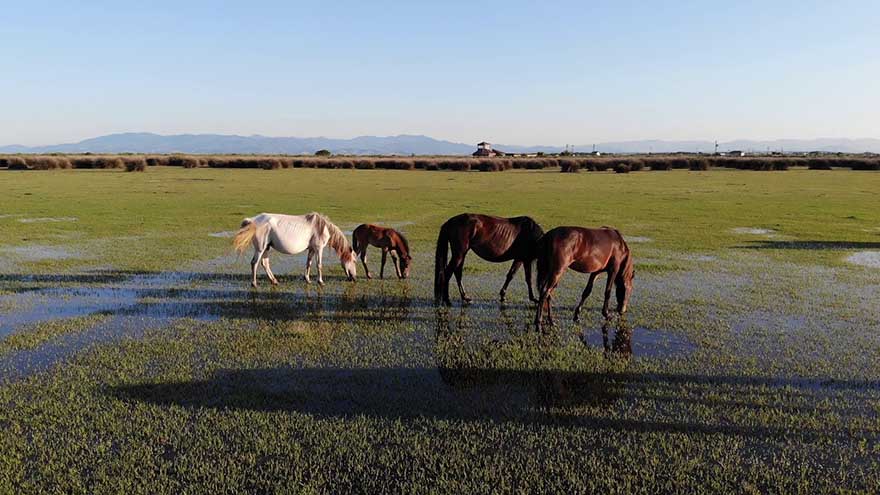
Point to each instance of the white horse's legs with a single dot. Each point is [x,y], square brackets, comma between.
[268,269]
[258,255]
[321,266]
[309,266]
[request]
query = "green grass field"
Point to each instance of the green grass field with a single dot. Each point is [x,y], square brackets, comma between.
[135,358]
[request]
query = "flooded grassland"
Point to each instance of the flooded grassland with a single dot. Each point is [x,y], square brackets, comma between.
[134,355]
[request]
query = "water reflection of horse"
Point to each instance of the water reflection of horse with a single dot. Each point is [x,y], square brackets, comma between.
[494,239]
[512,391]
[592,251]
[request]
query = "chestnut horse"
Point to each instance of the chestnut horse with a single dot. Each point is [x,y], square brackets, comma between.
[494,239]
[592,251]
[389,240]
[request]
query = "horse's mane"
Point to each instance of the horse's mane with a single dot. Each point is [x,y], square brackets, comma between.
[404,241]
[337,241]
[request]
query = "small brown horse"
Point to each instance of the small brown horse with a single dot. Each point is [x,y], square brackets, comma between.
[494,239]
[389,240]
[592,251]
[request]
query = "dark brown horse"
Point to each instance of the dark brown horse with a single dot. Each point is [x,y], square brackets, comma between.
[387,239]
[592,251]
[494,239]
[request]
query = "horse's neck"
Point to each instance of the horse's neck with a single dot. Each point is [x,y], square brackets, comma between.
[400,246]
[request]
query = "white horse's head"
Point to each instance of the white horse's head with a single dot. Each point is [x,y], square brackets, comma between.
[349,264]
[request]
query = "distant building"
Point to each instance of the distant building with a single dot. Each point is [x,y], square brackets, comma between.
[485,149]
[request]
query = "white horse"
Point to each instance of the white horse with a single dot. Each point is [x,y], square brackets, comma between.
[292,234]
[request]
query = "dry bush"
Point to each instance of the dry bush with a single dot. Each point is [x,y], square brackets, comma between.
[660,164]
[15,163]
[698,164]
[109,162]
[459,165]
[269,163]
[48,162]
[622,168]
[157,161]
[135,164]
[184,161]
[569,166]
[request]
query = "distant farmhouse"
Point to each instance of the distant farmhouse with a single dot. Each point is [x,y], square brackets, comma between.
[485,149]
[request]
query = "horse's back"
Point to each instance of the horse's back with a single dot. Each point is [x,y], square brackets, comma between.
[584,249]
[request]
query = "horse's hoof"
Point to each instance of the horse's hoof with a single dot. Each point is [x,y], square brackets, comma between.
[369,277]
[576,318]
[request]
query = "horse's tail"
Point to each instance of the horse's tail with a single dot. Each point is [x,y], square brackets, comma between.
[354,238]
[440,262]
[542,256]
[244,236]
[534,233]
[627,268]
[623,283]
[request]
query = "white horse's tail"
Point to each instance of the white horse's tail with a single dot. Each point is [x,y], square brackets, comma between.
[245,235]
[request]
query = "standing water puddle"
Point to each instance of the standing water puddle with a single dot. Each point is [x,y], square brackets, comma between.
[638,341]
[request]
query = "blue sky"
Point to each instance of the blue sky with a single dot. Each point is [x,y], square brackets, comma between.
[509,72]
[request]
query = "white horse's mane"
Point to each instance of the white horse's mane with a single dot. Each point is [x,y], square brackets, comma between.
[337,241]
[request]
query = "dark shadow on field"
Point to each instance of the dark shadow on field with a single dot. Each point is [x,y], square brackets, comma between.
[561,398]
[816,245]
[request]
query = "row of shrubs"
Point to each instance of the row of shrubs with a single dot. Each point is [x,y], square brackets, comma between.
[626,165]
[565,164]
[272,163]
[43,162]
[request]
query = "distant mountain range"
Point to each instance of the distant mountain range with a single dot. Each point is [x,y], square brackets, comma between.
[141,142]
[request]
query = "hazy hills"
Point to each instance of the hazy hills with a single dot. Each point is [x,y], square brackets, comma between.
[405,145]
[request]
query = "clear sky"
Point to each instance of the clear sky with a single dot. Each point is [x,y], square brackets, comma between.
[509,72]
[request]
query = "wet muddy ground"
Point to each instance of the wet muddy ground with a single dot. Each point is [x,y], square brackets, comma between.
[701,306]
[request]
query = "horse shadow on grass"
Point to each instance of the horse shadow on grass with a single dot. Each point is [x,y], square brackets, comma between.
[542,397]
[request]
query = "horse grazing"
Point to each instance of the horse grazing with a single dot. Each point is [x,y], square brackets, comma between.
[389,240]
[292,234]
[494,239]
[592,251]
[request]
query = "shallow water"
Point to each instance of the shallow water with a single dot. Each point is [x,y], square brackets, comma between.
[48,219]
[870,259]
[642,342]
[752,231]
[39,252]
